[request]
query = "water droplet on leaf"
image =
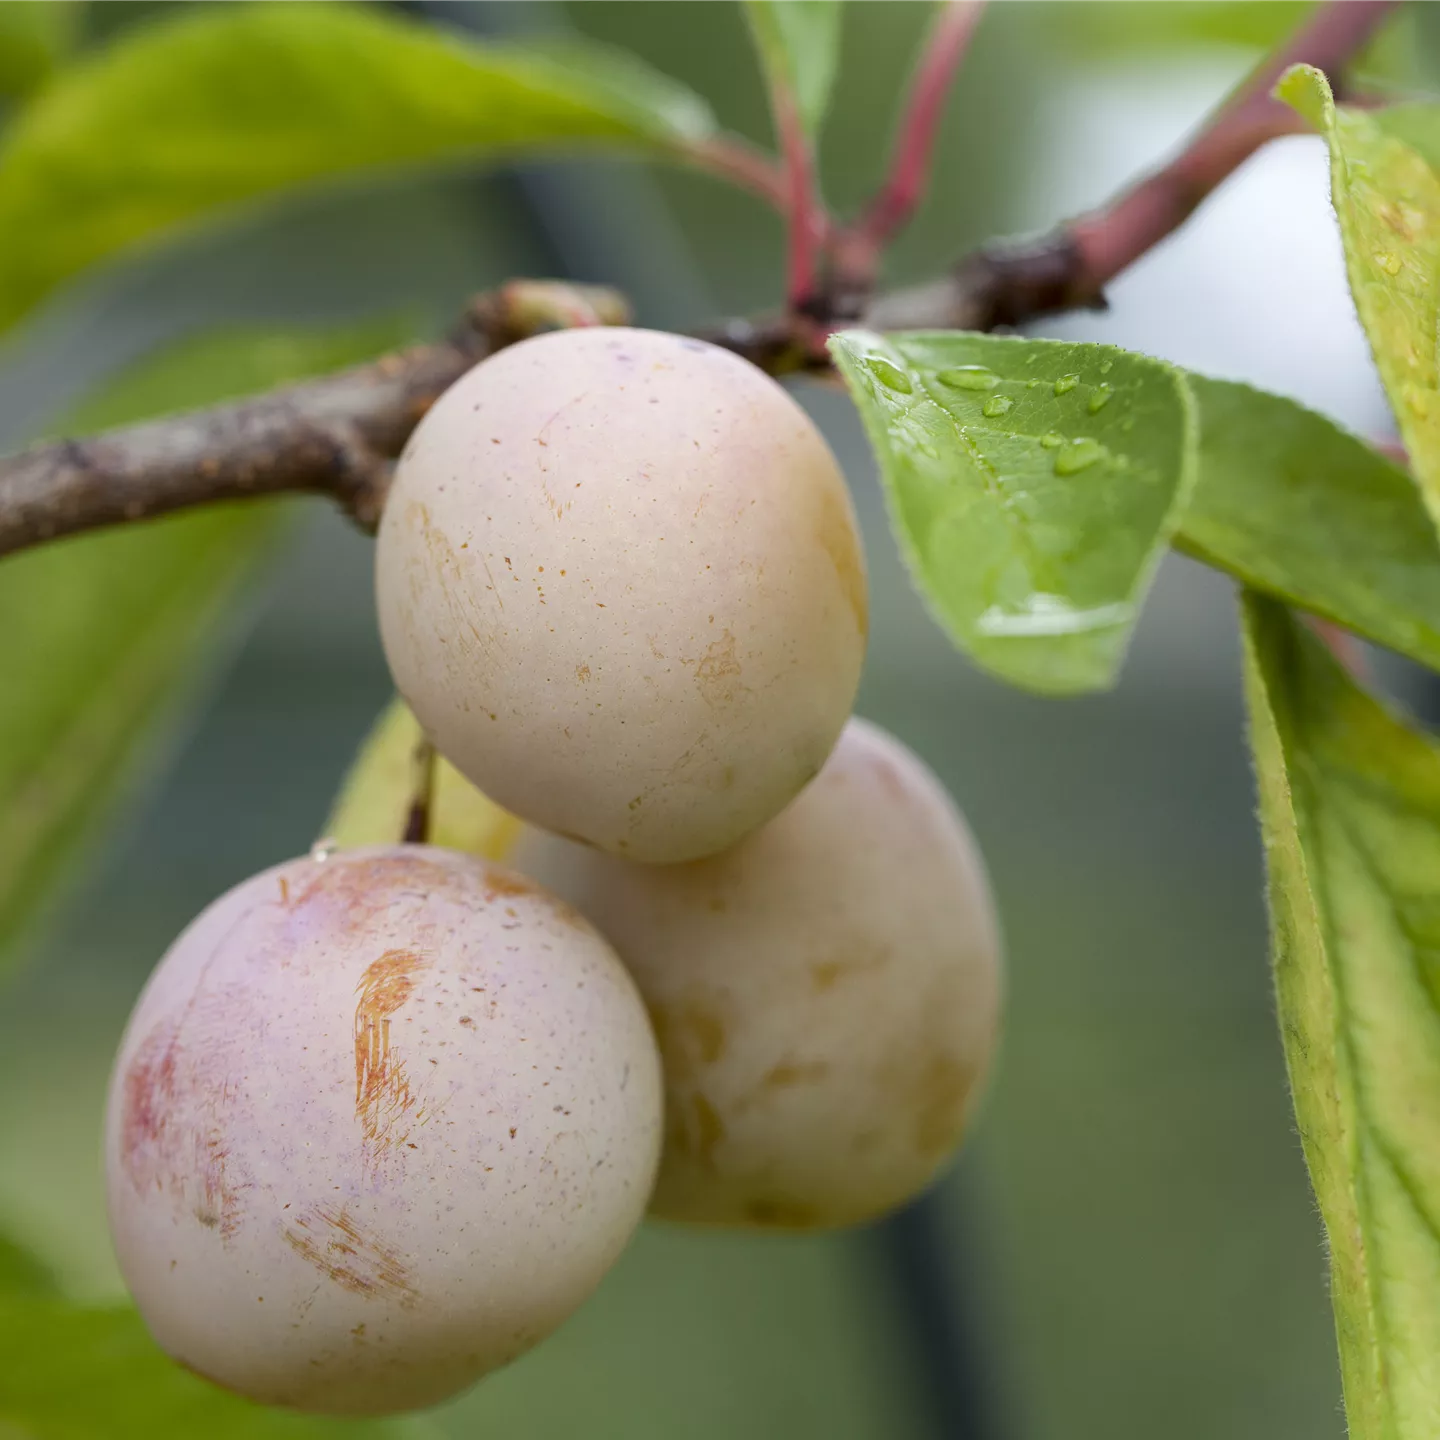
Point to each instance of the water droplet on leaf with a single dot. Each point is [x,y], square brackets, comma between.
[1053,440]
[1066,383]
[969,377]
[996,405]
[892,377]
[1106,366]
[1078,455]
[1100,399]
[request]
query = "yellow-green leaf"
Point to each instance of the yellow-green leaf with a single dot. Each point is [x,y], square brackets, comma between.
[101,634]
[68,1373]
[1387,199]
[1350,809]
[1293,505]
[1033,486]
[375,800]
[213,107]
[799,46]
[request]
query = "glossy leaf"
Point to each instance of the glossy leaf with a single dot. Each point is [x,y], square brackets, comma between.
[799,46]
[1387,199]
[99,634]
[1292,504]
[1033,486]
[192,115]
[376,798]
[68,1373]
[1350,808]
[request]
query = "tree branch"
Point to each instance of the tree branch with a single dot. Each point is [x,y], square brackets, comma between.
[1069,269]
[338,435]
[334,436]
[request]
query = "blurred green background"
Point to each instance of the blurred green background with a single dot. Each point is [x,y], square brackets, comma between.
[1128,1247]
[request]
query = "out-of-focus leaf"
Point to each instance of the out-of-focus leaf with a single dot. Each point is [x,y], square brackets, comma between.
[1387,199]
[799,46]
[1296,506]
[94,1374]
[1350,808]
[1033,486]
[21,1273]
[35,35]
[99,633]
[183,119]
[376,798]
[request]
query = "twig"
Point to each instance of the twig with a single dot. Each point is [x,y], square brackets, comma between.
[751,169]
[860,246]
[804,211]
[333,436]
[1009,284]
[337,435]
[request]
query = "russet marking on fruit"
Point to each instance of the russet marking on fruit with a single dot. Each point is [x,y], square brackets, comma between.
[383,1095]
[335,1244]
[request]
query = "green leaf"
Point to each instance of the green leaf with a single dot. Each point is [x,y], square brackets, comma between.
[376,797]
[21,1273]
[1388,202]
[186,118]
[1033,486]
[99,633]
[1294,505]
[35,35]
[1416,124]
[68,1373]
[1350,808]
[799,46]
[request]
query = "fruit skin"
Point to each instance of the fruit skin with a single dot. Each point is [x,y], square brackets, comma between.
[378,1124]
[621,587]
[826,994]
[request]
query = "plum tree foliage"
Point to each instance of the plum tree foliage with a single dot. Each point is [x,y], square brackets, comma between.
[383,1116]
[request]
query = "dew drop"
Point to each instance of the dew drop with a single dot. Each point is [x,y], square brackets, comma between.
[323,849]
[1100,399]
[1387,261]
[969,377]
[1078,455]
[996,405]
[1066,383]
[892,377]
[1053,440]
[1106,366]
[1031,384]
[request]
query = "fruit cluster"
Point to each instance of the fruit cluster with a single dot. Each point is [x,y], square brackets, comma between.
[384,1116]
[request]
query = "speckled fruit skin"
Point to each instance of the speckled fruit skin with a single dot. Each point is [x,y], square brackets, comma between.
[826,994]
[378,1124]
[621,586]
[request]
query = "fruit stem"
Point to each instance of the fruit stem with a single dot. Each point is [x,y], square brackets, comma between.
[859,247]
[422,795]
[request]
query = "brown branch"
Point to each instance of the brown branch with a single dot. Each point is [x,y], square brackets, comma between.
[334,436]
[1069,269]
[338,435]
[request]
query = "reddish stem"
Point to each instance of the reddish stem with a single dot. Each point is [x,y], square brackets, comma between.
[733,159]
[909,172]
[804,208]
[1108,240]
[1348,650]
